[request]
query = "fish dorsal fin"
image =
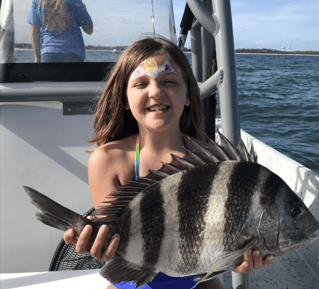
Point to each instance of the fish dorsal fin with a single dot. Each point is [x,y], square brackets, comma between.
[197,155]
[243,150]
[252,155]
[216,150]
[193,158]
[229,149]
[169,169]
[204,154]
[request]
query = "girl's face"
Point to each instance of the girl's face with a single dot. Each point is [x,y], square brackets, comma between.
[156,93]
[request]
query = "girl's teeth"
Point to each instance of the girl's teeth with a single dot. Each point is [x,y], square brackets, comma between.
[158,108]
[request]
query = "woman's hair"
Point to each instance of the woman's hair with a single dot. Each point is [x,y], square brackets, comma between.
[56,15]
[112,122]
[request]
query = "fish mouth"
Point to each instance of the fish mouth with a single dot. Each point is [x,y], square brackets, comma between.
[313,237]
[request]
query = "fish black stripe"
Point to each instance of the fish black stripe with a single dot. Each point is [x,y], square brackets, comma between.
[270,187]
[193,196]
[241,187]
[122,227]
[152,217]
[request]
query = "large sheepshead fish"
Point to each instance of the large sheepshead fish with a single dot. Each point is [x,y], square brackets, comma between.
[197,215]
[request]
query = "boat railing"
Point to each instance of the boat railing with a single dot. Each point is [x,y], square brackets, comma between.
[214,16]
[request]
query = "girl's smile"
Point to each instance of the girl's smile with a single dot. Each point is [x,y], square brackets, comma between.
[156,93]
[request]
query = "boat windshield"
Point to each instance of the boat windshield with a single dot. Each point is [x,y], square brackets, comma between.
[96,31]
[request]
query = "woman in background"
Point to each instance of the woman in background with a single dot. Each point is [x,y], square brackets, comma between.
[55,30]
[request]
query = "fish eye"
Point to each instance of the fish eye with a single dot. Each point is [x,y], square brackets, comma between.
[295,212]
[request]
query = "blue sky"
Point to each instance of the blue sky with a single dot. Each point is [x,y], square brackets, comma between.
[257,24]
[271,23]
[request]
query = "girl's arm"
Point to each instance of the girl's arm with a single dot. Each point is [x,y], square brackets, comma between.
[103,179]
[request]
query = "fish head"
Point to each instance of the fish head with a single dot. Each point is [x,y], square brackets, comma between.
[285,222]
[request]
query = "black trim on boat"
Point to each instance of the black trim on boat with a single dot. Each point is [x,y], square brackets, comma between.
[57,72]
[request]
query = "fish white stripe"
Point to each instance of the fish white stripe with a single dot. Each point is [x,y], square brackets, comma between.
[134,251]
[215,217]
[169,253]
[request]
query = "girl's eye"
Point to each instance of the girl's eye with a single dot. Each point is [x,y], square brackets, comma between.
[169,81]
[140,84]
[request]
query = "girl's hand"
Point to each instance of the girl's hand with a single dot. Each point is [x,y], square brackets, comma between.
[96,249]
[252,260]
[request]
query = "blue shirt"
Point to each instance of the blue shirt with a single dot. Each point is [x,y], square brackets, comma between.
[68,40]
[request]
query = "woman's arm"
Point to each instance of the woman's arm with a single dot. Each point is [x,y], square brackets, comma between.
[88,29]
[35,42]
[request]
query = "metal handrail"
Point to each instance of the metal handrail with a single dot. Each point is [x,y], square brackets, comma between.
[50,92]
[219,24]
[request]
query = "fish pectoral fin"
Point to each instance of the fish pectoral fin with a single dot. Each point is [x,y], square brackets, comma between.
[118,270]
[222,262]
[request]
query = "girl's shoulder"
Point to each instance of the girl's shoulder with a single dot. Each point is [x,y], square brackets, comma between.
[114,157]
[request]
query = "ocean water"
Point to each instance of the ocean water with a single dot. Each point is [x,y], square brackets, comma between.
[278,99]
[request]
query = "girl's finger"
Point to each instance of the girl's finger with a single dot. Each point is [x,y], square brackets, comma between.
[83,243]
[246,265]
[257,260]
[268,259]
[110,251]
[249,259]
[97,247]
[69,237]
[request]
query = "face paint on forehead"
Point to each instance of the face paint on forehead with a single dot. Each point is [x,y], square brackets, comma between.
[149,67]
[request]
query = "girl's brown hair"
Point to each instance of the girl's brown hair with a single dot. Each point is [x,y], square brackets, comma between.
[112,122]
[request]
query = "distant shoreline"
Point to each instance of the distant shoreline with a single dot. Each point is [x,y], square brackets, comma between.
[292,54]
[275,52]
[266,51]
[119,49]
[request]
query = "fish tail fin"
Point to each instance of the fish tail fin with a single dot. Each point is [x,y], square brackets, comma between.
[53,221]
[55,215]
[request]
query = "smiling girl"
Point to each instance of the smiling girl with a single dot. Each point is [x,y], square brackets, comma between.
[150,104]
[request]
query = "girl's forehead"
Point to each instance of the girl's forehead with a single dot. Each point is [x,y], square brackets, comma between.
[153,65]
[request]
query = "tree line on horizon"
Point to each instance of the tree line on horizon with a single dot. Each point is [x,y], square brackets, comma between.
[240,50]
[274,51]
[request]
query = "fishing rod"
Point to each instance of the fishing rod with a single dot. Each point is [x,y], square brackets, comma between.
[186,25]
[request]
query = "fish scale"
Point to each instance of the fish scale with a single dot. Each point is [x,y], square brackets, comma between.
[197,215]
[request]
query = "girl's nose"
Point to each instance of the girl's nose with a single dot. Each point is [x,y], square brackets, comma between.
[156,90]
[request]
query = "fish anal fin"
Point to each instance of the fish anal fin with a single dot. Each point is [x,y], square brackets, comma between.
[225,261]
[118,270]
[211,276]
